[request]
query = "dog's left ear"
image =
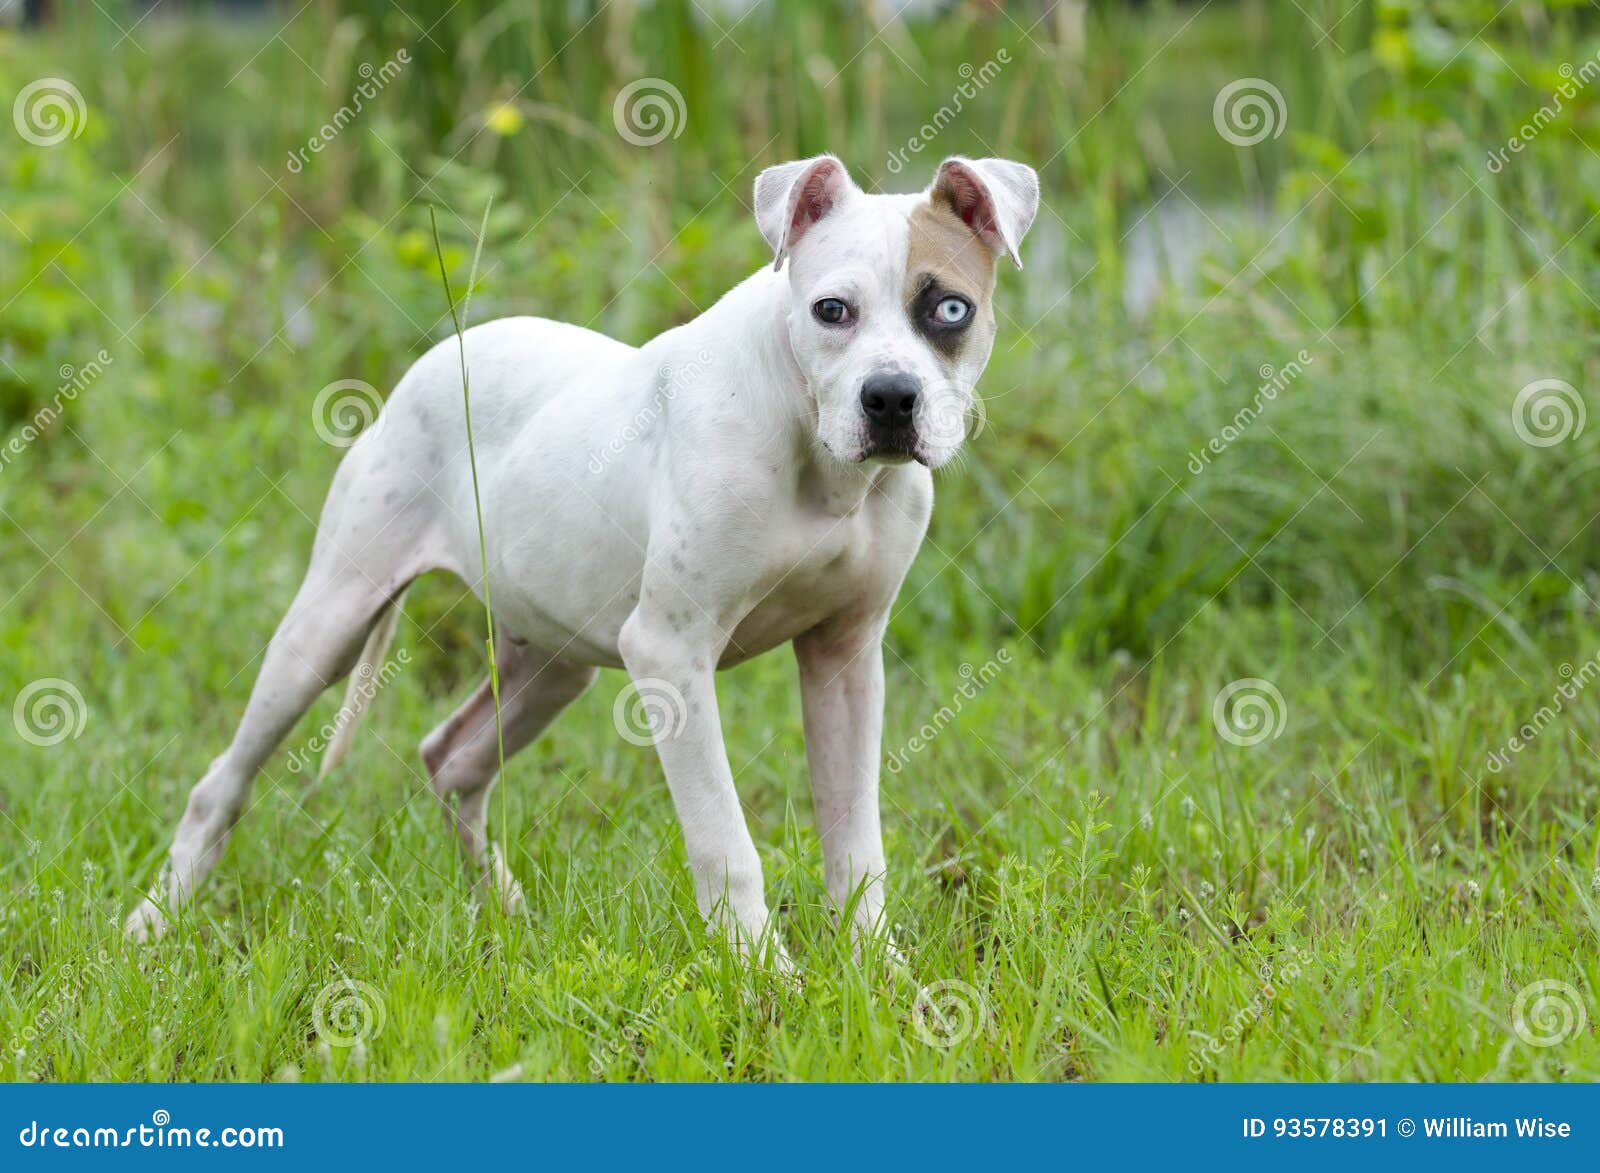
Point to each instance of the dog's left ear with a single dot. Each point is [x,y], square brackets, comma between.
[995,197]
[791,197]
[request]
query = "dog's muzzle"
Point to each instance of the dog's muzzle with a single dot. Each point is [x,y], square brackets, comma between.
[889,402]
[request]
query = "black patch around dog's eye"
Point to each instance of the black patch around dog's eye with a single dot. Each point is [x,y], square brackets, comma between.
[946,337]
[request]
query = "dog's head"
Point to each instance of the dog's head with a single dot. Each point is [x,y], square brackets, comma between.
[890,296]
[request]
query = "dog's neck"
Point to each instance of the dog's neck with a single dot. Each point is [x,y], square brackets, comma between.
[751,322]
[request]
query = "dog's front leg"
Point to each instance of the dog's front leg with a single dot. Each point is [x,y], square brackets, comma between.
[841,689]
[672,665]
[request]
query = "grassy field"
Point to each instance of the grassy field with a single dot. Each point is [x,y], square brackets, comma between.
[1335,448]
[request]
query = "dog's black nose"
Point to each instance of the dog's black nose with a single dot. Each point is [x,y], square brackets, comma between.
[889,398]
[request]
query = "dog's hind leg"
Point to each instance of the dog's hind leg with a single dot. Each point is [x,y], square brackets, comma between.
[365,555]
[462,755]
[316,644]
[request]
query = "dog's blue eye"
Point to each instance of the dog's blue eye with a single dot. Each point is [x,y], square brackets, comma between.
[831,310]
[951,311]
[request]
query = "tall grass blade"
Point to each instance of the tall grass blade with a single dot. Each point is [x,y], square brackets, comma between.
[460,324]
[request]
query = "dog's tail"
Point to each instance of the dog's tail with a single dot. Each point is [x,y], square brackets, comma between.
[358,693]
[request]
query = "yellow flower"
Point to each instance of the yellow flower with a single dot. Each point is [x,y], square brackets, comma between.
[505,120]
[1392,48]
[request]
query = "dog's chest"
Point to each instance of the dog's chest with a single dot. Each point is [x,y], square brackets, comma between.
[820,568]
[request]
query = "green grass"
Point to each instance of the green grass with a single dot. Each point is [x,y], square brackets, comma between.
[1108,888]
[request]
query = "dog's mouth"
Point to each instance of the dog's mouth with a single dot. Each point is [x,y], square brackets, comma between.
[894,454]
[893,446]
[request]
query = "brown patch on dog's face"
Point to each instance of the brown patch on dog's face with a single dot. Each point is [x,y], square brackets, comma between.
[945,259]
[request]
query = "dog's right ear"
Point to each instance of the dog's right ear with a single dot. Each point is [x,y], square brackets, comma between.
[996,198]
[791,197]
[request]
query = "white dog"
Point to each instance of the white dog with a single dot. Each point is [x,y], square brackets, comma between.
[756,476]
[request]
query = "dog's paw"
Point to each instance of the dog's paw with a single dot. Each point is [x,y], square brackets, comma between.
[895,960]
[880,953]
[760,951]
[145,924]
[503,886]
[771,971]
[783,965]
